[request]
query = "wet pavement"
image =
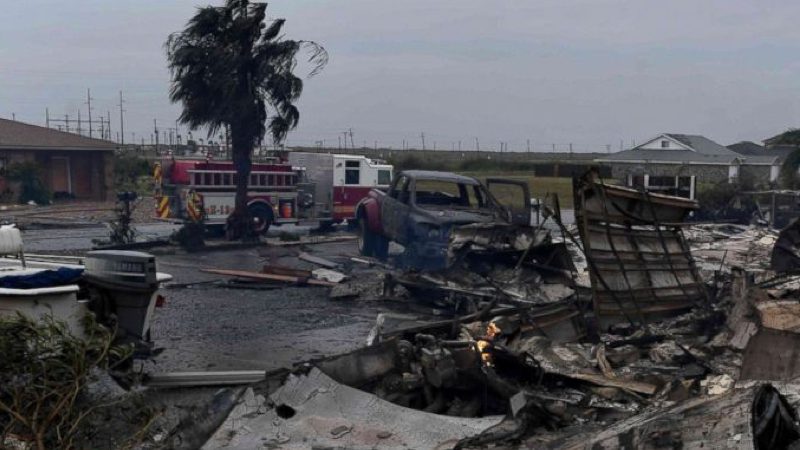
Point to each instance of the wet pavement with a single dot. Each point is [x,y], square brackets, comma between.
[208,327]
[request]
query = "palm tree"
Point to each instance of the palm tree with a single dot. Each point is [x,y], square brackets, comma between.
[231,69]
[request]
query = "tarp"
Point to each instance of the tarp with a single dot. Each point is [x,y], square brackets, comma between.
[41,279]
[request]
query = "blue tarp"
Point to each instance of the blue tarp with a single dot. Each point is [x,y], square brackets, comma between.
[45,278]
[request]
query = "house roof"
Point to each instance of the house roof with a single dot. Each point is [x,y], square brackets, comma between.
[752,149]
[23,136]
[698,150]
[747,148]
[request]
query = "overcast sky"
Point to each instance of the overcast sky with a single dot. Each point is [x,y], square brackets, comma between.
[590,72]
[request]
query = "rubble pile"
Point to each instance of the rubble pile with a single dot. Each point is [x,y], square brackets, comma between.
[631,330]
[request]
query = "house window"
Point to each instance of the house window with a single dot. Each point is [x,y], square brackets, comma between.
[352,172]
[665,144]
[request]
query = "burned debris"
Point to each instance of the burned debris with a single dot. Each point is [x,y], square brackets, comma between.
[642,345]
[630,329]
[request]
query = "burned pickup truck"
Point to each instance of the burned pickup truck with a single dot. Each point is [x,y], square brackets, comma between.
[421,207]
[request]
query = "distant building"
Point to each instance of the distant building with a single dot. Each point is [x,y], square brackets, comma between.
[749,148]
[673,163]
[71,165]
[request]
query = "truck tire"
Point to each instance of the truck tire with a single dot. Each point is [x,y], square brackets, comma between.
[262,217]
[366,238]
[369,243]
[381,247]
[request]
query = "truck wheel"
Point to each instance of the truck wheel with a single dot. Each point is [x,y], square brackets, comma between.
[262,217]
[366,238]
[381,247]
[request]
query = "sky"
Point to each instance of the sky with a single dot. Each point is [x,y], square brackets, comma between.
[597,74]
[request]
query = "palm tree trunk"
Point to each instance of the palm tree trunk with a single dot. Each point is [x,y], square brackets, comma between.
[240,224]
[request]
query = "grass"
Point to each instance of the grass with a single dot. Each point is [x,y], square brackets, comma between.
[539,186]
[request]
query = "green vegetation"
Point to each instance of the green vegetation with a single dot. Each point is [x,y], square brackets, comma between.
[540,186]
[467,165]
[29,177]
[44,372]
[132,174]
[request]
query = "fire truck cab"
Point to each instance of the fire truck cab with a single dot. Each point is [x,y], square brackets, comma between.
[202,190]
[334,184]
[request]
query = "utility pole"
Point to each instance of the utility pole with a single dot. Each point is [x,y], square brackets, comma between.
[89,107]
[79,122]
[477,145]
[108,125]
[47,117]
[459,145]
[102,128]
[352,145]
[155,131]
[529,145]
[340,141]
[121,120]
[66,121]
[570,149]
[422,135]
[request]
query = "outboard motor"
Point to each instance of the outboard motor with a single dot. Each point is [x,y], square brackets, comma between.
[122,289]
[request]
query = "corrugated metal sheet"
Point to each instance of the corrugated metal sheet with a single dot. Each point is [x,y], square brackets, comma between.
[638,258]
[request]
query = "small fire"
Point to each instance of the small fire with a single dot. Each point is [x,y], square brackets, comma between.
[483,349]
[492,330]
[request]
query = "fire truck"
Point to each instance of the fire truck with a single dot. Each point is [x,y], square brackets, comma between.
[205,190]
[333,185]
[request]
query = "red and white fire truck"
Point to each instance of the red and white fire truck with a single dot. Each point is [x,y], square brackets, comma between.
[333,185]
[204,190]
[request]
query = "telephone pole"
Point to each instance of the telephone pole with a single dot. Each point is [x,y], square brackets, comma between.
[477,145]
[108,125]
[422,135]
[352,145]
[89,107]
[121,121]
[155,130]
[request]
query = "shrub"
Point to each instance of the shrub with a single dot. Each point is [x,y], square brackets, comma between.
[29,176]
[132,173]
[44,371]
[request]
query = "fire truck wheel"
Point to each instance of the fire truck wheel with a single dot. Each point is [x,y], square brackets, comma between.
[262,218]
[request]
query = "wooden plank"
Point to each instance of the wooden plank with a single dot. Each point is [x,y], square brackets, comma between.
[268,277]
[600,380]
[287,271]
[318,261]
[311,241]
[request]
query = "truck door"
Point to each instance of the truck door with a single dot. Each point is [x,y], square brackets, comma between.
[394,209]
[515,196]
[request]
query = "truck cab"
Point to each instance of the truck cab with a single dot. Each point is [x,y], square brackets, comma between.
[421,207]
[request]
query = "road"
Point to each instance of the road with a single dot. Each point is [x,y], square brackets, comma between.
[211,327]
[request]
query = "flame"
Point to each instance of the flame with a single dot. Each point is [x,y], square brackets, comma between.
[492,330]
[483,347]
